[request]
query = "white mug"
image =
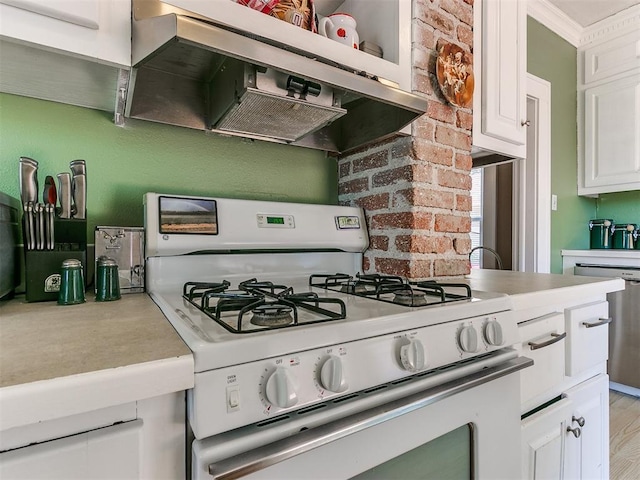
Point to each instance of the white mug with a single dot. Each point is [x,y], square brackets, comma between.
[340,27]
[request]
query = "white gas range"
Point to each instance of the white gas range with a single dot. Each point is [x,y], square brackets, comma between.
[288,335]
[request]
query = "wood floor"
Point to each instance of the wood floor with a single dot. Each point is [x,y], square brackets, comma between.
[624,436]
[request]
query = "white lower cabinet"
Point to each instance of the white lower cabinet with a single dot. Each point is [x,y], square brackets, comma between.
[588,454]
[106,453]
[143,440]
[543,442]
[568,439]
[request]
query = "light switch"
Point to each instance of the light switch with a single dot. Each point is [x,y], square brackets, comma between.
[554,202]
[233,398]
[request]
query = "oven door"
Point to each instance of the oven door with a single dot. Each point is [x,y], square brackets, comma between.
[465,428]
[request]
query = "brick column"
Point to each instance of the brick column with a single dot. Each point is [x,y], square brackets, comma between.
[415,190]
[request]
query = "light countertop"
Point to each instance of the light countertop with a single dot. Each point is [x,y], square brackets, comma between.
[57,361]
[63,353]
[527,289]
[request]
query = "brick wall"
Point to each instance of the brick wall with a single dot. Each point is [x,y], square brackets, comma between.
[415,190]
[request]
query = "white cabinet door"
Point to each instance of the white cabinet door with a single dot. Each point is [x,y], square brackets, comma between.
[96,29]
[543,442]
[611,142]
[106,453]
[500,102]
[587,457]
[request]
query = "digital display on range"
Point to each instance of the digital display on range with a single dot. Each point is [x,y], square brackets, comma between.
[188,216]
[275,220]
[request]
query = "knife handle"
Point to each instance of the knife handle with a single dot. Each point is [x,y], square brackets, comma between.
[28,180]
[30,233]
[40,234]
[79,189]
[64,194]
[51,238]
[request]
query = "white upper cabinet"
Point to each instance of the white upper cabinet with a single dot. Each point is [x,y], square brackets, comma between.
[95,29]
[500,65]
[609,115]
[386,23]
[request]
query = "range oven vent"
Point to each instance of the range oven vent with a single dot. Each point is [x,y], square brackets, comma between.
[282,118]
[178,58]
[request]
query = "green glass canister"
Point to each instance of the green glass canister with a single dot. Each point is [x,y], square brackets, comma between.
[107,281]
[623,236]
[600,233]
[71,283]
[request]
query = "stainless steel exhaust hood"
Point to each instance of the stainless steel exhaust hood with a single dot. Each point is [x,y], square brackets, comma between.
[190,72]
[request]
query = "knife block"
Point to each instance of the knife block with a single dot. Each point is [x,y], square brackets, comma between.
[42,267]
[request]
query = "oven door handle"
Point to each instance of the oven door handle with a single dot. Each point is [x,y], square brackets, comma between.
[260,458]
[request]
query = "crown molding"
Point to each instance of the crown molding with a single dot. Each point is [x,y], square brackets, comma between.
[622,22]
[558,22]
[555,20]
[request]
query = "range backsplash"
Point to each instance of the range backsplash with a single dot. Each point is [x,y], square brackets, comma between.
[415,190]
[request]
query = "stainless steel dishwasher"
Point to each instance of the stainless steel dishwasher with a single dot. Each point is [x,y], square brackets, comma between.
[624,332]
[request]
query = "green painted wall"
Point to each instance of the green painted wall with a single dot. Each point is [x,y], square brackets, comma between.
[124,163]
[623,207]
[552,58]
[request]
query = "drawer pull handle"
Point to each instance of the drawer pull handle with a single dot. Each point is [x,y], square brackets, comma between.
[556,338]
[576,431]
[580,421]
[602,321]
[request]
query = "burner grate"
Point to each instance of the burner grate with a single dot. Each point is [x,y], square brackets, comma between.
[259,300]
[392,288]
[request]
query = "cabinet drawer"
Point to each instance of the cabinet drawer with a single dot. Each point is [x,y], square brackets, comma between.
[106,453]
[610,58]
[542,340]
[588,336]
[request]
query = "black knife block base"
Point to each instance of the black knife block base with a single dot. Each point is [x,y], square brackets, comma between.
[42,272]
[42,267]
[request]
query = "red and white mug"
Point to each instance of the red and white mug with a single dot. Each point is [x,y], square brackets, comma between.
[340,27]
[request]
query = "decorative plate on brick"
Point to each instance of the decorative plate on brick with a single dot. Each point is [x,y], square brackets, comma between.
[454,69]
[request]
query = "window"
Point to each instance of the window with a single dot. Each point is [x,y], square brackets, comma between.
[476,215]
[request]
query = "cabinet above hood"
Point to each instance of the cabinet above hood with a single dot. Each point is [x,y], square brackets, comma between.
[192,72]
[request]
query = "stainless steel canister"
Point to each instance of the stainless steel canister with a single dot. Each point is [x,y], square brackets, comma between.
[125,245]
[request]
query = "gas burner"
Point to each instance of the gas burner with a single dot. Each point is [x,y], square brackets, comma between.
[270,306]
[410,298]
[272,315]
[356,287]
[393,288]
[193,290]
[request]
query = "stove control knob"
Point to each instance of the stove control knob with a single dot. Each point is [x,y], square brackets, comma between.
[493,333]
[280,390]
[332,376]
[468,339]
[412,356]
